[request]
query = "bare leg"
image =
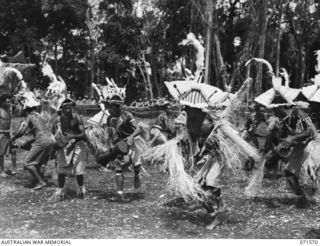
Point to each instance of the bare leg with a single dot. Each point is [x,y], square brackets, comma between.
[294,184]
[213,214]
[34,172]
[215,222]
[119,182]
[13,153]
[1,163]
[136,180]
[120,185]
[2,173]
[221,207]
[81,190]
[59,194]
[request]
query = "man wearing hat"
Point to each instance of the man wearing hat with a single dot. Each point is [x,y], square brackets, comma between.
[289,132]
[71,153]
[44,141]
[126,130]
[298,132]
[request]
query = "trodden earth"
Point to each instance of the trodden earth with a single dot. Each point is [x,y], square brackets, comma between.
[152,212]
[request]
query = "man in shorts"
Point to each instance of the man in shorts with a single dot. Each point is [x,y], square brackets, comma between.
[43,143]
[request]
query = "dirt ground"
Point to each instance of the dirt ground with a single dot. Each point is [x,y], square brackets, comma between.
[152,212]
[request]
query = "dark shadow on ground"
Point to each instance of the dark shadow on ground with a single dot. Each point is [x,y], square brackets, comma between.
[177,203]
[314,233]
[277,202]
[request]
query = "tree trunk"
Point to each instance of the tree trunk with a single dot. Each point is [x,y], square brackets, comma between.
[222,67]
[262,40]
[145,82]
[302,67]
[279,37]
[210,9]
[92,58]
[154,71]
[147,76]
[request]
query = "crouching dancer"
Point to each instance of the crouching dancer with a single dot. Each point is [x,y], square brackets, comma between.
[126,130]
[42,145]
[71,152]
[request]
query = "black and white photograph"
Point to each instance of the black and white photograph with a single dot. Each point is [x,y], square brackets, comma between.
[159,119]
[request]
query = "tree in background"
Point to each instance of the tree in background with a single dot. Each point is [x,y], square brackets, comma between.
[135,42]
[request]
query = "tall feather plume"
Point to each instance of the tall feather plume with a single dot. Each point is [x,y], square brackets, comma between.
[98,91]
[263,61]
[317,53]
[285,74]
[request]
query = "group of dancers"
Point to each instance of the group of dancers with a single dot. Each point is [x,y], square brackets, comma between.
[194,150]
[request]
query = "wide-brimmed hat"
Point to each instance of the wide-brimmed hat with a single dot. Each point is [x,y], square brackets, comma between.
[66,102]
[115,100]
[280,96]
[195,95]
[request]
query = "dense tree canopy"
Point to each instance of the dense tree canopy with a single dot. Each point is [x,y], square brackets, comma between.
[135,41]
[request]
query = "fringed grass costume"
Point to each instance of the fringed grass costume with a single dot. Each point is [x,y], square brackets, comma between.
[194,173]
[292,138]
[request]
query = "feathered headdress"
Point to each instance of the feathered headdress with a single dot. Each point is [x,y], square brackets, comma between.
[196,95]
[279,95]
[317,53]
[312,92]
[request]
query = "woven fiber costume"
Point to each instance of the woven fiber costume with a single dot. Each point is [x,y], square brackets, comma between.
[290,131]
[127,146]
[195,170]
[71,150]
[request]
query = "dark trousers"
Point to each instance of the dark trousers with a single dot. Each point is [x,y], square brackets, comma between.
[293,182]
[104,159]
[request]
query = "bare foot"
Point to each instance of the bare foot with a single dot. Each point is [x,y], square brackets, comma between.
[136,182]
[213,225]
[57,197]
[194,207]
[39,186]
[222,206]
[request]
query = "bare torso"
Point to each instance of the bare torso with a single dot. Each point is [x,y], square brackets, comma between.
[37,125]
[71,125]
